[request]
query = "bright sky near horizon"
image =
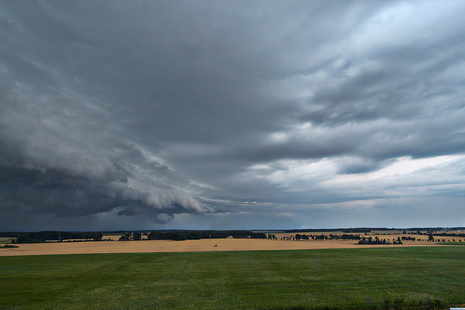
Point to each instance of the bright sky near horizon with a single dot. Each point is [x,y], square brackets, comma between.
[231,114]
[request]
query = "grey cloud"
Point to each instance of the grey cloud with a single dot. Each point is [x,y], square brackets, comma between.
[57,171]
[161,110]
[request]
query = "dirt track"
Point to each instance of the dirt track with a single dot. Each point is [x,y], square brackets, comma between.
[185,246]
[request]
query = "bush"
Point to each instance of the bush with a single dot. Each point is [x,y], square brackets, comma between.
[7,246]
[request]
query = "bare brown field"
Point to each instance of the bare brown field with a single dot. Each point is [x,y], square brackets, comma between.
[112,237]
[148,246]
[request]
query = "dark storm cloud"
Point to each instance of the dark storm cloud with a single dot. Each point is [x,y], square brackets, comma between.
[161,110]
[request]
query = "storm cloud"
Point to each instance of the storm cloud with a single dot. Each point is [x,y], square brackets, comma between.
[231,114]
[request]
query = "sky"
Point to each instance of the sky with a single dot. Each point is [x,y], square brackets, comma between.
[231,114]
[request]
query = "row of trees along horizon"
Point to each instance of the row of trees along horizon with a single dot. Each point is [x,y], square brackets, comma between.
[193,235]
[43,236]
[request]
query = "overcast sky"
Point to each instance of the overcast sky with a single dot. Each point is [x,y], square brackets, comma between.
[231,114]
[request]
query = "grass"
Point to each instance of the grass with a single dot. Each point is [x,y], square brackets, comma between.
[382,278]
[452,243]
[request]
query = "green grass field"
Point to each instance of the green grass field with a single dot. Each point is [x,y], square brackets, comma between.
[383,278]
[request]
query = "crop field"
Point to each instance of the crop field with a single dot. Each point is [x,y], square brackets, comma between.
[363,278]
[203,245]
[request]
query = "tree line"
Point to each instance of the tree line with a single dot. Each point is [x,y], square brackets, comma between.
[42,236]
[377,240]
[193,235]
[322,237]
[344,230]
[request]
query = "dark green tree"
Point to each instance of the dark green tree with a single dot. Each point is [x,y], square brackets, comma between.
[430,237]
[126,237]
[96,236]
[136,235]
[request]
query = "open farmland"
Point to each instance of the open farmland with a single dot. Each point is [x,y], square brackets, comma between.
[302,279]
[228,244]
[276,241]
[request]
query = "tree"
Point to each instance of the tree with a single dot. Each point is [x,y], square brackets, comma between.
[95,236]
[136,235]
[430,236]
[126,237]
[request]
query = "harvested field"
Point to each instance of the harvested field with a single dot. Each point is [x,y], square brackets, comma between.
[204,245]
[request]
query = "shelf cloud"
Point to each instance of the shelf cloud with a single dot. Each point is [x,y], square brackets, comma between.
[231,115]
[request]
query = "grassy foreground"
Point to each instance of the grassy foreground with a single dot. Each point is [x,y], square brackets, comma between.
[383,278]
